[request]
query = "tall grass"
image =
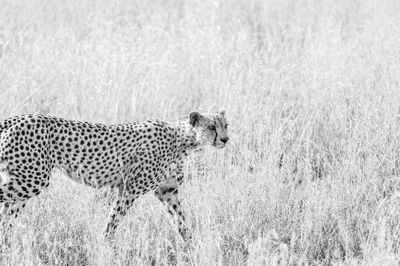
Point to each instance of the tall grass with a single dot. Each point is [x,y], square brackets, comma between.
[311,89]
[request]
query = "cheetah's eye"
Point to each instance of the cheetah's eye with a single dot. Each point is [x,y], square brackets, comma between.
[226,126]
[212,127]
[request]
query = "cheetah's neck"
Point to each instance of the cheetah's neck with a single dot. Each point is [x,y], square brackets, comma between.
[186,137]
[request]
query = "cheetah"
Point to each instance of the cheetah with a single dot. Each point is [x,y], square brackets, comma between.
[133,158]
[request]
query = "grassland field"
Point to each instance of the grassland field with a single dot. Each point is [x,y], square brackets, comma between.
[311,92]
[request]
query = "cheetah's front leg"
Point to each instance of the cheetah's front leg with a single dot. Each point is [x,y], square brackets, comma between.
[122,204]
[168,194]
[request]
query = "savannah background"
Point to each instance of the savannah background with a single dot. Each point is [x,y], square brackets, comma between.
[311,90]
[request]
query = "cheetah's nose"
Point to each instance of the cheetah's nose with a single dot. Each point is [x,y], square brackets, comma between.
[225,139]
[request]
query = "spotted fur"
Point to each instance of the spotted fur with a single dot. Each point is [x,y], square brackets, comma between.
[134,158]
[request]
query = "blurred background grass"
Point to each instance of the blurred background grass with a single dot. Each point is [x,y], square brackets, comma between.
[311,90]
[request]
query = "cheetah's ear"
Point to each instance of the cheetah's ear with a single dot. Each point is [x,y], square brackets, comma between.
[194,118]
[222,112]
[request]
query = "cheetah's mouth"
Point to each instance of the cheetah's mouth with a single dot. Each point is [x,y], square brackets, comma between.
[218,146]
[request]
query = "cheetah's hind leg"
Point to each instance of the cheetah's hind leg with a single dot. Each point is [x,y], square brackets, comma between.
[9,210]
[4,179]
[10,204]
[8,213]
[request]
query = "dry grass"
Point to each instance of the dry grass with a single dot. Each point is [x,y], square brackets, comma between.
[311,89]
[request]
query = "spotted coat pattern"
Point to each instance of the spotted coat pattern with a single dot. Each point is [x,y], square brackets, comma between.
[134,158]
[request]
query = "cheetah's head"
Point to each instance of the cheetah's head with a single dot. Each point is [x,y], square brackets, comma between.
[210,128]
